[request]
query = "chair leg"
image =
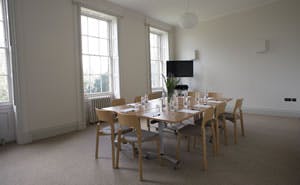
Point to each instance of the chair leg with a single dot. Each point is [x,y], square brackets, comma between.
[97,145]
[178,147]
[214,139]
[225,132]
[113,150]
[195,141]
[204,149]
[242,123]
[148,124]
[140,160]
[158,151]
[188,143]
[118,150]
[217,136]
[235,132]
[133,151]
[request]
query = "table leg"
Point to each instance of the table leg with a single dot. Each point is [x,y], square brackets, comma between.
[160,131]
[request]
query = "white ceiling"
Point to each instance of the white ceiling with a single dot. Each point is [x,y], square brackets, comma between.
[169,11]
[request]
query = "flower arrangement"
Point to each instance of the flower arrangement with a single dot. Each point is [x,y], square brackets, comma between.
[170,82]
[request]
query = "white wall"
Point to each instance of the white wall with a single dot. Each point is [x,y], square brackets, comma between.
[229,62]
[49,66]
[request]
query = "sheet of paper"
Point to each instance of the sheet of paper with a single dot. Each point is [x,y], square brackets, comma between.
[128,110]
[214,101]
[152,114]
[188,111]
[202,106]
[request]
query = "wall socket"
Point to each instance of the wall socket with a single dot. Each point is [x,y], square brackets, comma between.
[290,99]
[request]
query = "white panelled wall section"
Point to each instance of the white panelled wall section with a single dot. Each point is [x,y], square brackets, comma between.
[231,62]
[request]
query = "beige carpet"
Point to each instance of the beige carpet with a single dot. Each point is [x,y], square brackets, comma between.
[268,155]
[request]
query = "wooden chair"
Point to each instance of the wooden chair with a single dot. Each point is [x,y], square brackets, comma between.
[237,114]
[137,99]
[116,102]
[136,136]
[199,130]
[214,95]
[151,96]
[155,95]
[108,117]
[219,116]
[192,93]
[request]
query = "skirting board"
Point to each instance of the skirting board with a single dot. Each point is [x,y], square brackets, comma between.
[57,130]
[270,112]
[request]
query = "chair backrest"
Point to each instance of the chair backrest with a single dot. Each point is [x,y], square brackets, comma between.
[155,95]
[214,95]
[105,116]
[208,115]
[129,120]
[137,99]
[238,105]
[116,102]
[220,109]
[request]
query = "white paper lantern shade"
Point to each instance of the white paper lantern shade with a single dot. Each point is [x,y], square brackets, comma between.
[188,20]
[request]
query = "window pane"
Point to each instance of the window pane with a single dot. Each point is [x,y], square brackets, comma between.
[155,73]
[96,83]
[93,27]
[4,95]
[1,11]
[84,44]
[84,26]
[103,26]
[93,44]
[154,54]
[105,66]
[105,83]
[95,65]
[2,36]
[153,40]
[86,84]
[3,63]
[85,64]
[104,47]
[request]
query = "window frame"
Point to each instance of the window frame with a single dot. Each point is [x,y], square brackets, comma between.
[7,48]
[163,55]
[110,54]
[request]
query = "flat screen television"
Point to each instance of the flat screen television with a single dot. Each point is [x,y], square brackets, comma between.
[180,68]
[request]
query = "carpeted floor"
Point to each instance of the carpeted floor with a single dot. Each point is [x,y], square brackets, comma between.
[268,155]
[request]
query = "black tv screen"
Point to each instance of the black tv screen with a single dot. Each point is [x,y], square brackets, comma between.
[180,68]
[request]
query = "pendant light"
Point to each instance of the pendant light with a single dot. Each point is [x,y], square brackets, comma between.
[188,20]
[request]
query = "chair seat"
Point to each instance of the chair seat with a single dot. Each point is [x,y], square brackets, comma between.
[230,116]
[107,129]
[146,136]
[190,130]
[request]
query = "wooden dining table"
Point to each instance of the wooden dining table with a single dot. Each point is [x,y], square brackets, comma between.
[154,110]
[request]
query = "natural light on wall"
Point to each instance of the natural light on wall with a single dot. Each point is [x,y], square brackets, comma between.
[159,54]
[99,53]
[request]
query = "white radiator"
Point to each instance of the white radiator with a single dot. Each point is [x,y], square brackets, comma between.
[99,102]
